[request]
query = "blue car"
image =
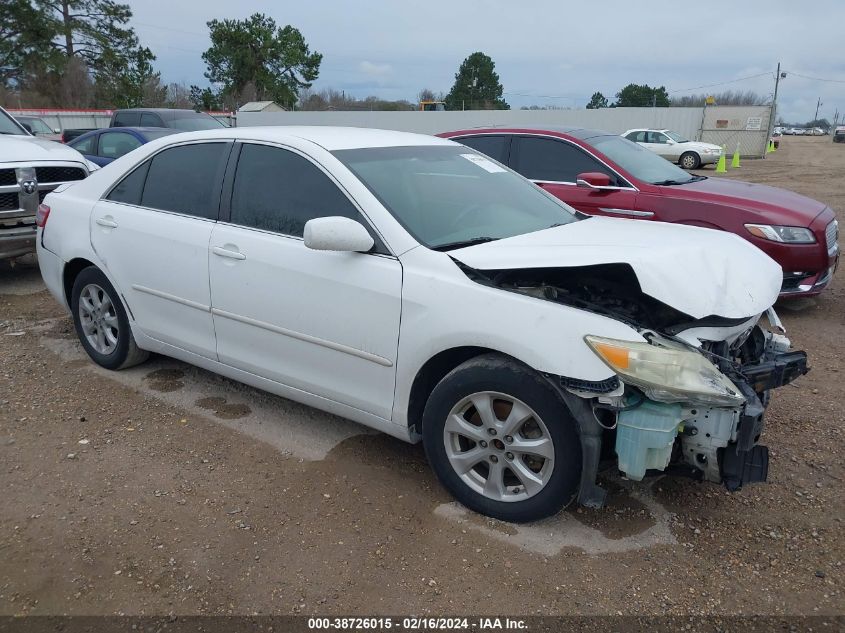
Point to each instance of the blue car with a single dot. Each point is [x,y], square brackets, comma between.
[103,146]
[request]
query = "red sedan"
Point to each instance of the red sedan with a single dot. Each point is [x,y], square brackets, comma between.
[604,174]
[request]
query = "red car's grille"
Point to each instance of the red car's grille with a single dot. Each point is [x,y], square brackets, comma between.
[831,234]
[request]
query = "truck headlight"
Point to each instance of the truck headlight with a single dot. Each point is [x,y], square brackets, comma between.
[671,373]
[788,234]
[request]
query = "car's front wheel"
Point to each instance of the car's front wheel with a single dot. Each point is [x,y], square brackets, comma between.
[101,323]
[690,160]
[502,441]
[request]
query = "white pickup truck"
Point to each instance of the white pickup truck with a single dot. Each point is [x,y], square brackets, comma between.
[30,168]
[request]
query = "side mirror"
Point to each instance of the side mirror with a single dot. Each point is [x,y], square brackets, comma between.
[57,130]
[336,233]
[594,180]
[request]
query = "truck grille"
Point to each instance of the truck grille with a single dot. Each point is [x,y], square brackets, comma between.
[8,201]
[831,234]
[58,174]
[8,177]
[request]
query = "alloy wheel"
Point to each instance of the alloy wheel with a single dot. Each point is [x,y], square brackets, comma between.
[98,318]
[499,446]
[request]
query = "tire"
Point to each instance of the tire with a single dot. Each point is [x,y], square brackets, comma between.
[101,323]
[690,160]
[531,486]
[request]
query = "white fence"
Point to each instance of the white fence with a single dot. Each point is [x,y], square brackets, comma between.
[690,122]
[67,119]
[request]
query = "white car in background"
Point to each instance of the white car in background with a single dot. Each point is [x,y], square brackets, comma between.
[675,148]
[418,287]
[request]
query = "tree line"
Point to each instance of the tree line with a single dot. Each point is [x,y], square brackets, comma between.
[645,96]
[85,54]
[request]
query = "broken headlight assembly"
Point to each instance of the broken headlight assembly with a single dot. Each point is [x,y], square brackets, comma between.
[669,372]
[786,234]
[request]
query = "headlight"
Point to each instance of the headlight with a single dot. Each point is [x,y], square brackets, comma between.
[788,234]
[667,374]
[713,150]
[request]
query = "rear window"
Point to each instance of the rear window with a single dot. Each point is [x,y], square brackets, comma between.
[192,121]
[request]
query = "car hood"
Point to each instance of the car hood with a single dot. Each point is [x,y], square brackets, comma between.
[700,272]
[31,148]
[779,206]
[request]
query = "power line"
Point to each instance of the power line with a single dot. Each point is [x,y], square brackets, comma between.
[723,83]
[792,72]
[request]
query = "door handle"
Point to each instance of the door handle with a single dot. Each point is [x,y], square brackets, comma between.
[107,222]
[225,252]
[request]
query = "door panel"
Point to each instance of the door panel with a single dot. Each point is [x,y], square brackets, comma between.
[159,262]
[323,322]
[615,203]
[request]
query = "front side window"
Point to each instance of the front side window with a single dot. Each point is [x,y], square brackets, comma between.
[278,190]
[446,196]
[116,144]
[549,159]
[186,179]
[657,137]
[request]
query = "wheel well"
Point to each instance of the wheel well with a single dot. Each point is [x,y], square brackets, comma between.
[72,269]
[432,373]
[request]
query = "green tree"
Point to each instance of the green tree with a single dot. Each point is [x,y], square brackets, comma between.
[642,96]
[598,100]
[204,99]
[96,31]
[274,62]
[129,81]
[26,34]
[476,86]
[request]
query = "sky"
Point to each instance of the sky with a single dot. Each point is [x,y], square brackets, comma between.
[546,52]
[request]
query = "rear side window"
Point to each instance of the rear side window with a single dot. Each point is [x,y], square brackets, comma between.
[495,147]
[637,137]
[186,179]
[278,190]
[548,159]
[126,119]
[129,189]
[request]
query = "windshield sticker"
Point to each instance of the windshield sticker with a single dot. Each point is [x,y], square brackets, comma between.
[485,163]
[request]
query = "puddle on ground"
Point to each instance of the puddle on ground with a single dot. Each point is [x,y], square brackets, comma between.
[223,409]
[165,380]
[632,520]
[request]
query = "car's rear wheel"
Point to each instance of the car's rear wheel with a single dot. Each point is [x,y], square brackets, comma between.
[502,441]
[690,160]
[101,323]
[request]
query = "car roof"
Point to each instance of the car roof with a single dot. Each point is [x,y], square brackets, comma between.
[329,137]
[158,110]
[575,132]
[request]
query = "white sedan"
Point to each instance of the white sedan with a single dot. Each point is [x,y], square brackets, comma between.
[675,148]
[416,286]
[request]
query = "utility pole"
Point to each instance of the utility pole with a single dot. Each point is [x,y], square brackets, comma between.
[818,105]
[773,113]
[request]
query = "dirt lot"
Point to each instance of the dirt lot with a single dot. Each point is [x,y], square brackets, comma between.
[166,490]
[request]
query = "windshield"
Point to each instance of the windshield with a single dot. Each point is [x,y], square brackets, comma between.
[9,126]
[447,197]
[193,121]
[640,162]
[676,137]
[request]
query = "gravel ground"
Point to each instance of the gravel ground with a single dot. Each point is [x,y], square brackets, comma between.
[117,501]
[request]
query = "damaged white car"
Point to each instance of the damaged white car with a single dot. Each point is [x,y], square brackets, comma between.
[419,288]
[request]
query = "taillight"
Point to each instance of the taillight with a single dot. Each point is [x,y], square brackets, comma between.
[41,215]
